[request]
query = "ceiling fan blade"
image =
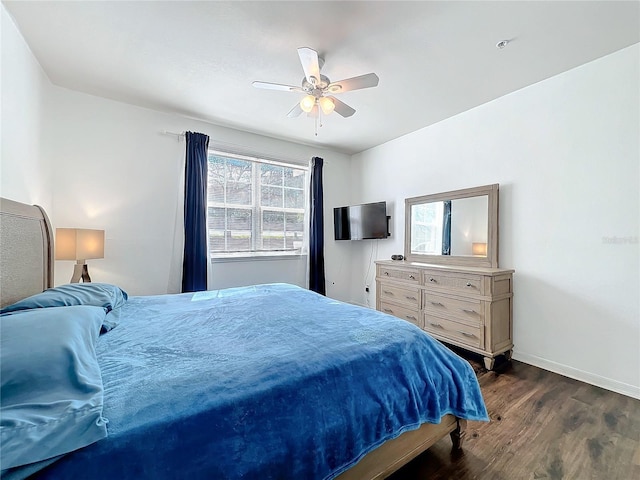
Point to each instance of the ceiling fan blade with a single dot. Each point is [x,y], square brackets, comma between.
[295,111]
[310,64]
[277,86]
[342,108]
[355,83]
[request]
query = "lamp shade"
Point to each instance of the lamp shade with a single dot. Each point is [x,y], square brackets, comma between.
[479,249]
[307,103]
[79,244]
[327,105]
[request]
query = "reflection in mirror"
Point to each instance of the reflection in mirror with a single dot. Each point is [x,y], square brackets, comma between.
[450,227]
[458,227]
[469,226]
[427,228]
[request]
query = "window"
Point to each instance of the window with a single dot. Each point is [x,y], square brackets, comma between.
[255,207]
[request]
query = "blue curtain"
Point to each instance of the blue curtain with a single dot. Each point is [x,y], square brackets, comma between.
[196,258]
[316,230]
[446,228]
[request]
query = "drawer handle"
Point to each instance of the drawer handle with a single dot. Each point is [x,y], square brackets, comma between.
[411,317]
[387,310]
[386,273]
[468,311]
[388,293]
[437,325]
[437,304]
[432,280]
[412,277]
[470,335]
[469,284]
[411,298]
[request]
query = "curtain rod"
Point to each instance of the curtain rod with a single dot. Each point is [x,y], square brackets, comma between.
[238,149]
[167,132]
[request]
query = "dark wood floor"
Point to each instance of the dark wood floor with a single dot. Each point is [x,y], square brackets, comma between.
[543,426]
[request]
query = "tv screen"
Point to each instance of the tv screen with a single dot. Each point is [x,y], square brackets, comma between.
[361,222]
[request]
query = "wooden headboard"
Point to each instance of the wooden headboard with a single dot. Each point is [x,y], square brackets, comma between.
[26,251]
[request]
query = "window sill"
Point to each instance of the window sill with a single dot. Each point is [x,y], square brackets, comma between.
[258,257]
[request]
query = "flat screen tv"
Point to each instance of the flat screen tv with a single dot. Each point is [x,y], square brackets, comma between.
[361,222]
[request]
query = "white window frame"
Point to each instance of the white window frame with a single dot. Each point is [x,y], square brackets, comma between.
[257,210]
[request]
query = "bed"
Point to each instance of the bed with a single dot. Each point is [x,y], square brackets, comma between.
[264,381]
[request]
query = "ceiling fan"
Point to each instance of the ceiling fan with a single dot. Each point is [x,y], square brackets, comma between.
[319,89]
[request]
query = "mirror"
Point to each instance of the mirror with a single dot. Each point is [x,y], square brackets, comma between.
[455,228]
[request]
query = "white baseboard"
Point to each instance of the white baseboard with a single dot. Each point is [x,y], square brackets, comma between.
[591,378]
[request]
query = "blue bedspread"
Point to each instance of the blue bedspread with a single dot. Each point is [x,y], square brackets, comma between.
[268,382]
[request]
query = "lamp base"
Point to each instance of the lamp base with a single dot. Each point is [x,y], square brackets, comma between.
[80,271]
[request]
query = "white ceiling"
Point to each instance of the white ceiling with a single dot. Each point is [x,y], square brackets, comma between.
[434,58]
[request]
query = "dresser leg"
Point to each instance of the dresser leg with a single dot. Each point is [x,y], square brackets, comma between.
[489,362]
[508,354]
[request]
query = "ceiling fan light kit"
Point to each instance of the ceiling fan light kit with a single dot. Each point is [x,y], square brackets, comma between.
[307,103]
[327,105]
[317,87]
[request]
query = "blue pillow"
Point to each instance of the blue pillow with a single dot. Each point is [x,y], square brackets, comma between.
[95,294]
[51,392]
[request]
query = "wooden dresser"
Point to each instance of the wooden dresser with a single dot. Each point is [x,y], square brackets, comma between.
[470,307]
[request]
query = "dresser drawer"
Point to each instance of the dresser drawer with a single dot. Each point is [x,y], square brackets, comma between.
[467,310]
[407,314]
[398,294]
[458,283]
[408,275]
[454,331]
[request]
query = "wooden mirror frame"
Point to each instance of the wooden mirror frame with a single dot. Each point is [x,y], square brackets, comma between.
[491,260]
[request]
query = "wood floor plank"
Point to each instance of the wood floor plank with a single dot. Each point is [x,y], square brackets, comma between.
[543,426]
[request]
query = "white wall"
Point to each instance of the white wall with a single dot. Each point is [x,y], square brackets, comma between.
[25,168]
[566,154]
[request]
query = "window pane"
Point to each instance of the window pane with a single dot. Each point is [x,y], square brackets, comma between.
[271,196]
[216,179]
[294,230]
[216,240]
[294,178]
[273,240]
[239,193]
[295,222]
[271,175]
[216,218]
[239,219]
[293,240]
[293,198]
[239,240]
[272,221]
[239,170]
[272,230]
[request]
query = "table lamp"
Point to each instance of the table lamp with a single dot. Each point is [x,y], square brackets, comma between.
[79,244]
